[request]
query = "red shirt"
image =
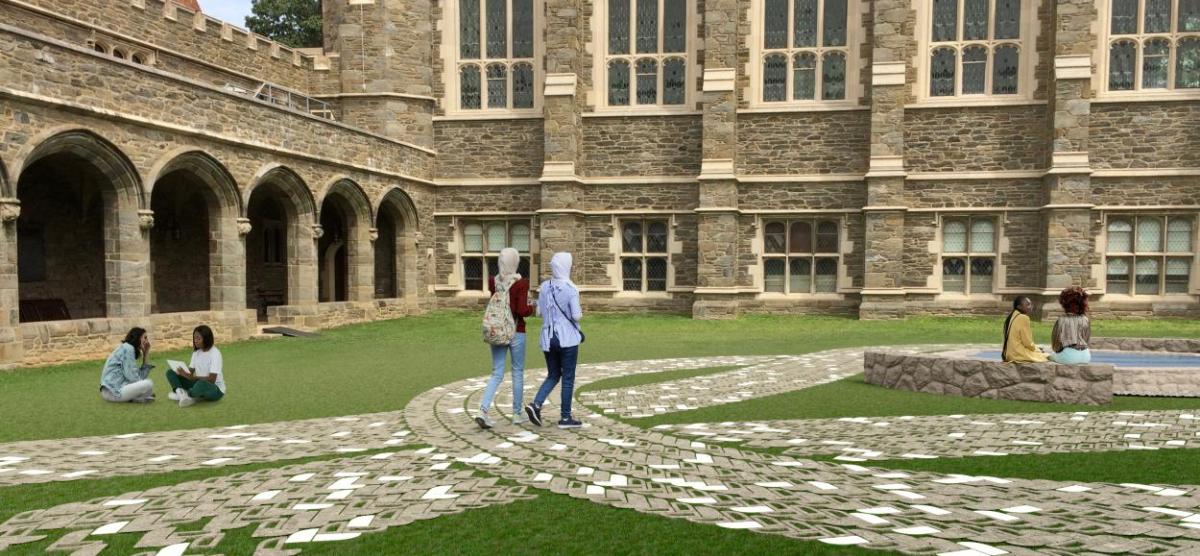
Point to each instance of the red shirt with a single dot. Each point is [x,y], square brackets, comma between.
[518,300]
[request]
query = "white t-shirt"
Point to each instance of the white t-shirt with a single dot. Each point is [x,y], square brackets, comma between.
[209,362]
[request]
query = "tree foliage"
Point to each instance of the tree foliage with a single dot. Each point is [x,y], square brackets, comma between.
[296,23]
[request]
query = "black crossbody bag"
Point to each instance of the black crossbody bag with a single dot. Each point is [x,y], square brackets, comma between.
[554,298]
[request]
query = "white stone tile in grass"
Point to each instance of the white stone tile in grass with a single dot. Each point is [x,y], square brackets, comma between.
[916,531]
[998,516]
[870,519]
[340,474]
[295,441]
[110,528]
[664,466]
[309,506]
[908,494]
[361,522]
[1176,442]
[265,495]
[856,468]
[774,484]
[350,450]
[339,495]
[1168,511]
[704,500]
[614,481]
[215,461]
[957,435]
[77,474]
[821,485]
[347,483]
[844,541]
[1021,509]
[918,456]
[341,434]
[893,475]
[92,453]
[35,472]
[394,478]
[984,548]
[504,445]
[173,550]
[1195,518]
[1149,488]
[424,451]
[475,459]
[880,510]
[383,455]
[594,490]
[440,466]
[1026,443]
[931,510]
[989,453]
[739,524]
[304,535]
[542,477]
[893,486]
[129,435]
[302,477]
[1074,489]
[788,463]
[1171,492]
[703,459]
[558,447]
[441,492]
[126,502]
[228,448]
[966,552]
[584,471]
[753,509]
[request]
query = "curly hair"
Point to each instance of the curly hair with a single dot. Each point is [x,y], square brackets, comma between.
[1074,300]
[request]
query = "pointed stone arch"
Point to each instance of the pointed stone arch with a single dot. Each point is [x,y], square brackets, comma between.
[280,247]
[185,240]
[346,260]
[82,247]
[396,263]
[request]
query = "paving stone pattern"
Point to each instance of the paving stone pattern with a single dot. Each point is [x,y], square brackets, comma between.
[660,471]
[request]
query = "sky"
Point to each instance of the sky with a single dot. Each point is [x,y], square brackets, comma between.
[231,11]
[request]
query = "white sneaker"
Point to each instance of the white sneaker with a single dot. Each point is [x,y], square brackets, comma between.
[484,421]
[184,399]
[173,397]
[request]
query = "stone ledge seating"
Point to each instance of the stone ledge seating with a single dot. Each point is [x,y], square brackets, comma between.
[1038,382]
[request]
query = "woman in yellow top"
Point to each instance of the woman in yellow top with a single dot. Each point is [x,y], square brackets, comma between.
[1018,335]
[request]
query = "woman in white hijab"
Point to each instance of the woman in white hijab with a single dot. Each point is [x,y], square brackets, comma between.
[558,304]
[518,303]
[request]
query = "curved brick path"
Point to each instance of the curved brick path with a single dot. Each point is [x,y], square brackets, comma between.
[677,471]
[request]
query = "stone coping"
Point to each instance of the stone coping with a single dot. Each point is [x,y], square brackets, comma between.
[1171,345]
[960,376]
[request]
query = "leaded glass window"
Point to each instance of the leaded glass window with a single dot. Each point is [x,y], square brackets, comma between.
[806,51]
[1154,45]
[644,255]
[974,47]
[801,256]
[481,245]
[1149,254]
[653,70]
[968,255]
[497,42]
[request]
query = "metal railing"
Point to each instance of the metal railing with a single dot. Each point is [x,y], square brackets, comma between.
[287,99]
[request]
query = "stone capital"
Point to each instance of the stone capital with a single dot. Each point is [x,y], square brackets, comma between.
[559,85]
[10,210]
[1069,162]
[886,166]
[558,171]
[719,79]
[373,233]
[317,231]
[244,226]
[716,169]
[146,219]
[1073,67]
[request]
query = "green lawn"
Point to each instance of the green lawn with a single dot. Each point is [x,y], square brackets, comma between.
[381,366]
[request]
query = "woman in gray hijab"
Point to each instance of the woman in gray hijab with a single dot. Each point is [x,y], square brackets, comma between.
[558,304]
[518,303]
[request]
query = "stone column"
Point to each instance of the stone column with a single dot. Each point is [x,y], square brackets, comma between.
[10,331]
[717,234]
[561,220]
[227,279]
[127,260]
[883,292]
[1067,216]
[302,263]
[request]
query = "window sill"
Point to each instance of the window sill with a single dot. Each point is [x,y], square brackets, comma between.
[814,107]
[776,296]
[625,294]
[471,116]
[1183,96]
[985,102]
[638,112]
[1133,298]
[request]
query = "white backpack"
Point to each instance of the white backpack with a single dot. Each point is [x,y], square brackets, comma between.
[499,327]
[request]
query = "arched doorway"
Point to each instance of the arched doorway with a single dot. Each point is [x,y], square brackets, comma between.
[395,248]
[279,252]
[194,240]
[79,215]
[344,253]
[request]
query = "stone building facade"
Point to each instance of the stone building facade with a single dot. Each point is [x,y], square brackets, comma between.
[878,158]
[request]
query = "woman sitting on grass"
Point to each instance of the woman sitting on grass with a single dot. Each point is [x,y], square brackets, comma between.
[122,379]
[1072,331]
[204,379]
[1018,335]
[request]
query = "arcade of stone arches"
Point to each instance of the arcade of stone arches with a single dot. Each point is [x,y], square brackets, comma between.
[95,240]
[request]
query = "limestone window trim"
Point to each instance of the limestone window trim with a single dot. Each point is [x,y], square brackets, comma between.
[122,51]
[1101,82]
[453,64]
[796,255]
[856,36]
[981,249]
[1025,43]
[477,246]
[598,96]
[640,242]
[1123,255]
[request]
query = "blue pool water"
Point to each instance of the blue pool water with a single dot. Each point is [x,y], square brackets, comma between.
[1128,359]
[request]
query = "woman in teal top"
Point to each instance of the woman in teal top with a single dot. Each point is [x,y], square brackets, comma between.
[122,379]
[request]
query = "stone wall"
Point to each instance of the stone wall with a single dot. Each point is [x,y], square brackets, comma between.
[341,313]
[974,139]
[1167,345]
[628,146]
[1145,135]
[783,196]
[489,148]
[1037,382]
[992,193]
[1151,192]
[803,143]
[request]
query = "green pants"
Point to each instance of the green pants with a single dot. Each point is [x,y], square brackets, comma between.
[199,389]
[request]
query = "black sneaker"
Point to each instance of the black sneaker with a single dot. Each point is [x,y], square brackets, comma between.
[569,423]
[535,414]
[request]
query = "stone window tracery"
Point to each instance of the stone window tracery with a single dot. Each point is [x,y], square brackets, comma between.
[645,58]
[975,48]
[495,56]
[1149,255]
[801,256]
[482,241]
[644,254]
[804,50]
[1153,45]
[968,255]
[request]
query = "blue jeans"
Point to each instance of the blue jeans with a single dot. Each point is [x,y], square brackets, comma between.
[1071,356]
[517,349]
[560,365]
